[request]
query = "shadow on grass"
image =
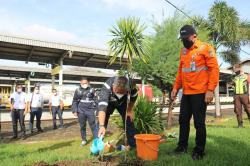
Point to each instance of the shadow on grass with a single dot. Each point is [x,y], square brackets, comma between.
[55,146]
[23,153]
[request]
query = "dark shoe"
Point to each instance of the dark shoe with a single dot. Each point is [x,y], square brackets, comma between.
[14,137]
[54,128]
[31,131]
[198,155]
[23,137]
[40,130]
[180,150]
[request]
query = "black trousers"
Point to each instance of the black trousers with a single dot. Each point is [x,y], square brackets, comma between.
[129,124]
[193,105]
[83,117]
[18,114]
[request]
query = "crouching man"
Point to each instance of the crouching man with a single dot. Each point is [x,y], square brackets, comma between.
[114,95]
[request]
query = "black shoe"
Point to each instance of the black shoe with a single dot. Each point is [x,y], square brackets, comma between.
[40,130]
[197,155]
[54,128]
[14,137]
[180,150]
[23,137]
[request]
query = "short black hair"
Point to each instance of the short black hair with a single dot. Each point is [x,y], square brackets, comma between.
[84,78]
[19,84]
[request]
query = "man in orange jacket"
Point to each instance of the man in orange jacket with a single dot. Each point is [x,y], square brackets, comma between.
[198,76]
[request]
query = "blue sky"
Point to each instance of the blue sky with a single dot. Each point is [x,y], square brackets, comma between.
[86,22]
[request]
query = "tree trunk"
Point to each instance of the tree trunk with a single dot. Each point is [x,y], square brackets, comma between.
[170,113]
[161,108]
[217,102]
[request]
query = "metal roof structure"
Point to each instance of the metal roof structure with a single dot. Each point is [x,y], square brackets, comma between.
[32,50]
[8,74]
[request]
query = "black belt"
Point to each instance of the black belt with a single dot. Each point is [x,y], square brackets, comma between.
[18,109]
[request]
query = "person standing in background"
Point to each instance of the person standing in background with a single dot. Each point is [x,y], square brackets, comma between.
[83,107]
[18,110]
[241,94]
[35,107]
[56,108]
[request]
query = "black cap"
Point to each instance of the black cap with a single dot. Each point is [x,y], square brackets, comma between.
[186,31]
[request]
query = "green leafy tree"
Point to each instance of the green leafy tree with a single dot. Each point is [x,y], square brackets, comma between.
[164,54]
[163,62]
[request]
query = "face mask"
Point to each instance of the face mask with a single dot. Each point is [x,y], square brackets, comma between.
[36,91]
[119,95]
[84,86]
[187,43]
[19,90]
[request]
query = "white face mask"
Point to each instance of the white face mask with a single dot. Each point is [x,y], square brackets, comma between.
[119,95]
[84,86]
[36,91]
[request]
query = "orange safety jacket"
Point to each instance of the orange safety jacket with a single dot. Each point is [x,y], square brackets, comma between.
[204,76]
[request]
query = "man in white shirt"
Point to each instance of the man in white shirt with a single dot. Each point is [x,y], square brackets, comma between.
[18,110]
[35,106]
[56,107]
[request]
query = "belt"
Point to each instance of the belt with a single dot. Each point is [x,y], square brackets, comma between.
[198,69]
[86,101]
[18,109]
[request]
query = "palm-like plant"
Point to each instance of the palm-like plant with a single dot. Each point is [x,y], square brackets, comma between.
[226,30]
[128,41]
[146,117]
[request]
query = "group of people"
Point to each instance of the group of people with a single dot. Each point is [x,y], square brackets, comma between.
[86,105]
[198,76]
[33,103]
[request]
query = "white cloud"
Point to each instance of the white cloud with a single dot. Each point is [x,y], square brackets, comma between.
[47,33]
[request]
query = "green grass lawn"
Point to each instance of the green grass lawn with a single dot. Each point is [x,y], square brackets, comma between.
[226,145]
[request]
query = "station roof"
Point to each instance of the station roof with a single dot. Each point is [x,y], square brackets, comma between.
[73,74]
[33,50]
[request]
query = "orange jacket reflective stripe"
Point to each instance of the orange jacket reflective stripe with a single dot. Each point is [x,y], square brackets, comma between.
[204,76]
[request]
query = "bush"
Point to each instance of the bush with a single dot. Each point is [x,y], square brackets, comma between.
[146,119]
